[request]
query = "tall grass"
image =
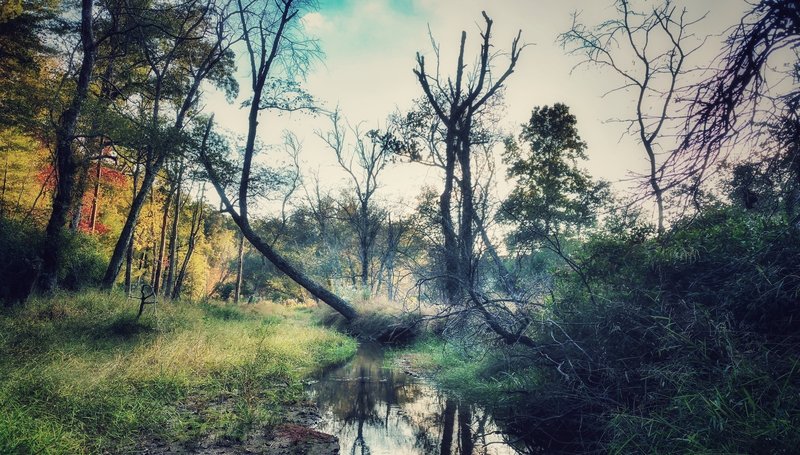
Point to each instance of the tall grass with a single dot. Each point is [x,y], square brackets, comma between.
[78,374]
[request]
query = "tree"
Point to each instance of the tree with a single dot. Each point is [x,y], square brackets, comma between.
[457,103]
[24,28]
[741,101]
[363,165]
[656,43]
[65,157]
[268,34]
[183,47]
[553,199]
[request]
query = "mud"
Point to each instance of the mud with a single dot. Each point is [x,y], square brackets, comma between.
[295,436]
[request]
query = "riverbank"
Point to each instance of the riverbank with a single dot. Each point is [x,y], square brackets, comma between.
[78,374]
[752,408]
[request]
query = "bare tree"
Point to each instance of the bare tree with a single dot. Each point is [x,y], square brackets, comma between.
[656,43]
[363,164]
[747,93]
[457,102]
[267,31]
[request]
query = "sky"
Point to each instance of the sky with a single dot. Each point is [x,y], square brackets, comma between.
[370,48]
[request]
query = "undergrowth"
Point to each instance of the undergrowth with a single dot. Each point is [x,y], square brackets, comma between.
[78,373]
[689,345]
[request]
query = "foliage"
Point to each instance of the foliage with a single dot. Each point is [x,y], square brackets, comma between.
[552,197]
[24,52]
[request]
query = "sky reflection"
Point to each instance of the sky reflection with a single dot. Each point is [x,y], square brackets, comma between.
[376,410]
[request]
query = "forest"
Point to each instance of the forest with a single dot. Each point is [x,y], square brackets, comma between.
[174,281]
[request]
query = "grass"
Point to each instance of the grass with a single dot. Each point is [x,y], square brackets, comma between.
[378,320]
[78,374]
[751,407]
[475,372]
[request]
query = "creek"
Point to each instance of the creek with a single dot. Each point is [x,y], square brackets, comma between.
[379,410]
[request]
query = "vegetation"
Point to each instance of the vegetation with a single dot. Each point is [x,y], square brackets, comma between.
[81,375]
[685,351]
[593,318]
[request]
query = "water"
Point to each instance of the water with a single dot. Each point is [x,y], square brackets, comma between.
[377,410]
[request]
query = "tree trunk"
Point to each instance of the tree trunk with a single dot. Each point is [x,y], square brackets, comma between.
[465,428]
[126,235]
[129,268]
[449,421]
[80,188]
[129,253]
[466,235]
[96,193]
[451,272]
[3,192]
[173,238]
[65,158]
[162,245]
[197,221]
[333,300]
[239,268]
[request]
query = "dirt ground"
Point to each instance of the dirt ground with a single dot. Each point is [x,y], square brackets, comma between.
[293,437]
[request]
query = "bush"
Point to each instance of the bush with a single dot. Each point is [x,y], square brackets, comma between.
[20,247]
[19,250]
[84,264]
[689,345]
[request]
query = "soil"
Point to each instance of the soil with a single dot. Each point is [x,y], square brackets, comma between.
[293,437]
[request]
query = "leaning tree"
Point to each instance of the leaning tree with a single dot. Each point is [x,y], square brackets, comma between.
[275,47]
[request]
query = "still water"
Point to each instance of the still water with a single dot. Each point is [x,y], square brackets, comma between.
[377,410]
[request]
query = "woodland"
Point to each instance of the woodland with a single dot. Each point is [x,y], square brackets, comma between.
[661,318]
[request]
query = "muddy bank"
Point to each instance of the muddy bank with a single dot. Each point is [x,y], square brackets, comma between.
[294,436]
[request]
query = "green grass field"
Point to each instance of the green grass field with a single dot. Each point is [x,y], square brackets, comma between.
[78,374]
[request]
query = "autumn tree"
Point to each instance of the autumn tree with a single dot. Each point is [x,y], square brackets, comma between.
[183,46]
[24,50]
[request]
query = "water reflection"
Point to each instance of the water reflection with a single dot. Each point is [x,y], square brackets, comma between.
[376,410]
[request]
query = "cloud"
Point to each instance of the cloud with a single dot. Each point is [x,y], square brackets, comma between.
[315,22]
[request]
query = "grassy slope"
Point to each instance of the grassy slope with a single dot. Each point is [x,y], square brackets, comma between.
[79,375]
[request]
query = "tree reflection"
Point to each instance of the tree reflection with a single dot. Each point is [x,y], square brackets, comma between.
[373,409]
